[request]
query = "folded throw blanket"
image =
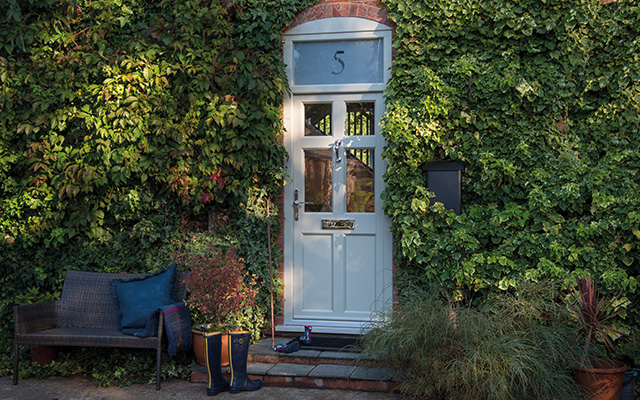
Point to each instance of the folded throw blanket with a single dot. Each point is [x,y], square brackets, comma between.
[177,326]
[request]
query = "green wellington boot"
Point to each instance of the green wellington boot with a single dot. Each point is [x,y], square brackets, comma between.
[238,352]
[213,350]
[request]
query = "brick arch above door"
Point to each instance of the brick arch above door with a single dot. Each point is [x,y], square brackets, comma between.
[367,9]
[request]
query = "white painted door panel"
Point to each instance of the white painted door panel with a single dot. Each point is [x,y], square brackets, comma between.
[336,278]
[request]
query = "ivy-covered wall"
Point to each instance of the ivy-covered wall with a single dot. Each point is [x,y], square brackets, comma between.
[541,101]
[124,123]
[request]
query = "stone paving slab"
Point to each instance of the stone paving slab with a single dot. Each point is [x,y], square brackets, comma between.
[339,355]
[373,374]
[263,347]
[284,369]
[304,353]
[257,368]
[332,371]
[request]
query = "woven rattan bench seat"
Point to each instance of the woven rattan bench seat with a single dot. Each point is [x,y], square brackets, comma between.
[85,315]
[86,337]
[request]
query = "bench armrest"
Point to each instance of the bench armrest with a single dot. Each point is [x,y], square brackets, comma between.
[160,326]
[34,317]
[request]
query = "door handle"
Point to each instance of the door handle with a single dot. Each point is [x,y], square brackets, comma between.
[296,205]
[336,148]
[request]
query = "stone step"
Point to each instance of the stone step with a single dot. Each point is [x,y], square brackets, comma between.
[263,352]
[311,369]
[329,376]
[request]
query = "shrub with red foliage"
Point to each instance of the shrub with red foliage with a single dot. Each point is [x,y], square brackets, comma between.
[218,284]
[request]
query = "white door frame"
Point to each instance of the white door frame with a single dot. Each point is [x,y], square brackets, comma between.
[329,30]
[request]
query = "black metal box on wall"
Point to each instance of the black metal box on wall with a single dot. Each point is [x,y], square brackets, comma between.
[444,180]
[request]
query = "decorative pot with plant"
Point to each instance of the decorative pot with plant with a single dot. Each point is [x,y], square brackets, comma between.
[599,377]
[218,287]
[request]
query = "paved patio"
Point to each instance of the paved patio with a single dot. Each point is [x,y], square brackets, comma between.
[305,374]
[77,388]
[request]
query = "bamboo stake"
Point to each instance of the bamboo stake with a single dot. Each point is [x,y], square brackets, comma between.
[273,340]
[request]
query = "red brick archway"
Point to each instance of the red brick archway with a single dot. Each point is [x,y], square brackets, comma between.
[367,9]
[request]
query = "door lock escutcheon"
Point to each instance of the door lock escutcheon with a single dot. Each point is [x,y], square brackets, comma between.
[296,205]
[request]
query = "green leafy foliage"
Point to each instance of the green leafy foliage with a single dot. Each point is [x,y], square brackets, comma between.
[541,101]
[125,125]
[108,366]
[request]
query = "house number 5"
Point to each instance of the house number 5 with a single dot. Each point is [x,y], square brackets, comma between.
[338,59]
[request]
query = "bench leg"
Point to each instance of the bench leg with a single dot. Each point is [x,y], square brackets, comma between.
[158,354]
[15,363]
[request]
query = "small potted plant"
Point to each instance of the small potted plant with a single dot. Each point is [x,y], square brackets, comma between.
[599,377]
[217,288]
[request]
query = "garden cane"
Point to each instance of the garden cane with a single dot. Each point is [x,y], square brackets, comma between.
[273,340]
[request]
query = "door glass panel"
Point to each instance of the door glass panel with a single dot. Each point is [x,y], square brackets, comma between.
[360,189]
[317,120]
[318,180]
[360,119]
[338,62]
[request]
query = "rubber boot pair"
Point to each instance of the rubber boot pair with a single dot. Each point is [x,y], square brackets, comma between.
[238,352]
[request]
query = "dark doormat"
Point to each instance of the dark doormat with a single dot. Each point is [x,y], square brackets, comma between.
[332,343]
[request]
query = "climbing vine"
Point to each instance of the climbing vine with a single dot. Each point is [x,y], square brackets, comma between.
[124,124]
[541,101]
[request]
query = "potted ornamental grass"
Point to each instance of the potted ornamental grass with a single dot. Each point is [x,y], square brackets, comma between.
[599,377]
[218,287]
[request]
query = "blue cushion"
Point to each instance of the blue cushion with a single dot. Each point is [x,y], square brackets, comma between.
[138,298]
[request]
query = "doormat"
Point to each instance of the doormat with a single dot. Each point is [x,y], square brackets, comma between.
[329,343]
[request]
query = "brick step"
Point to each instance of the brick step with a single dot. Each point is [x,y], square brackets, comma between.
[310,369]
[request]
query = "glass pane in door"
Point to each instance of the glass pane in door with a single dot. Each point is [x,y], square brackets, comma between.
[317,120]
[361,119]
[360,180]
[338,62]
[318,180]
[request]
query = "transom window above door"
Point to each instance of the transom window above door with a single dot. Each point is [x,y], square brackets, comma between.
[341,61]
[338,62]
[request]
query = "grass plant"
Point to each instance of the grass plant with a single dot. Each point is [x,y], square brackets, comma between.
[515,346]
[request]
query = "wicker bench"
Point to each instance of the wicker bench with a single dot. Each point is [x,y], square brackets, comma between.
[84,316]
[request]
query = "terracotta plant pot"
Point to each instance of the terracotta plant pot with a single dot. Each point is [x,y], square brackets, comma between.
[43,355]
[198,348]
[604,381]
